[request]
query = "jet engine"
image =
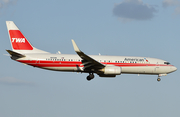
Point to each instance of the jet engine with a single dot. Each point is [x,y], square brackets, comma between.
[111,70]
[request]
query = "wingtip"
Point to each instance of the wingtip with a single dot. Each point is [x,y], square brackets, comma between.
[75,46]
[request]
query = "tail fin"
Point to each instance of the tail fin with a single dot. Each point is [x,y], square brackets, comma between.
[18,41]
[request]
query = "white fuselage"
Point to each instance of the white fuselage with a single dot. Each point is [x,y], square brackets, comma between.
[69,62]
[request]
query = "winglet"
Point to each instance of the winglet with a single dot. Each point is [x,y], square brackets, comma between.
[75,46]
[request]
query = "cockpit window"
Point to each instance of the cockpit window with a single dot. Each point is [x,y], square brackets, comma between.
[167,63]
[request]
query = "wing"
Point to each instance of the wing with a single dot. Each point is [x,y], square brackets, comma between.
[89,63]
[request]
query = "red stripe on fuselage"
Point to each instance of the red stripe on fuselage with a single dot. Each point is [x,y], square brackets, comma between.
[44,63]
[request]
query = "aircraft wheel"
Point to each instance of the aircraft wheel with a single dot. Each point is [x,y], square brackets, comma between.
[159,79]
[88,78]
[91,76]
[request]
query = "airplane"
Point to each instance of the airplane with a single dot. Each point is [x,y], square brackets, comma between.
[104,66]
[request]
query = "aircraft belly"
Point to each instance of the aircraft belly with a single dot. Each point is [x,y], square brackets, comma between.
[139,70]
[145,70]
[69,69]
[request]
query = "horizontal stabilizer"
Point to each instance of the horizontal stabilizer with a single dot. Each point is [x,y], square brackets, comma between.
[15,54]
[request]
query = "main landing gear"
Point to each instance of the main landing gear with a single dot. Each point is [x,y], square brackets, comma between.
[90,77]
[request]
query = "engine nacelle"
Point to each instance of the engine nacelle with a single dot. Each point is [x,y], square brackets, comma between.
[111,70]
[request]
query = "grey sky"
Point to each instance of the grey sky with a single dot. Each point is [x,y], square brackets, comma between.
[4,3]
[134,10]
[172,3]
[15,81]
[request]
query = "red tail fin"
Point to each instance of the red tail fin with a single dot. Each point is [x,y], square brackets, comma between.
[18,41]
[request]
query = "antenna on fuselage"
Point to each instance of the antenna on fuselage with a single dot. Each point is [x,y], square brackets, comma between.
[58,52]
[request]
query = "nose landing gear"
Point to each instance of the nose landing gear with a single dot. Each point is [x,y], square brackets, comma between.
[90,77]
[158,79]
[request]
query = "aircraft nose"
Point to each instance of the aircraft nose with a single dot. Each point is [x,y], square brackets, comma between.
[173,68]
